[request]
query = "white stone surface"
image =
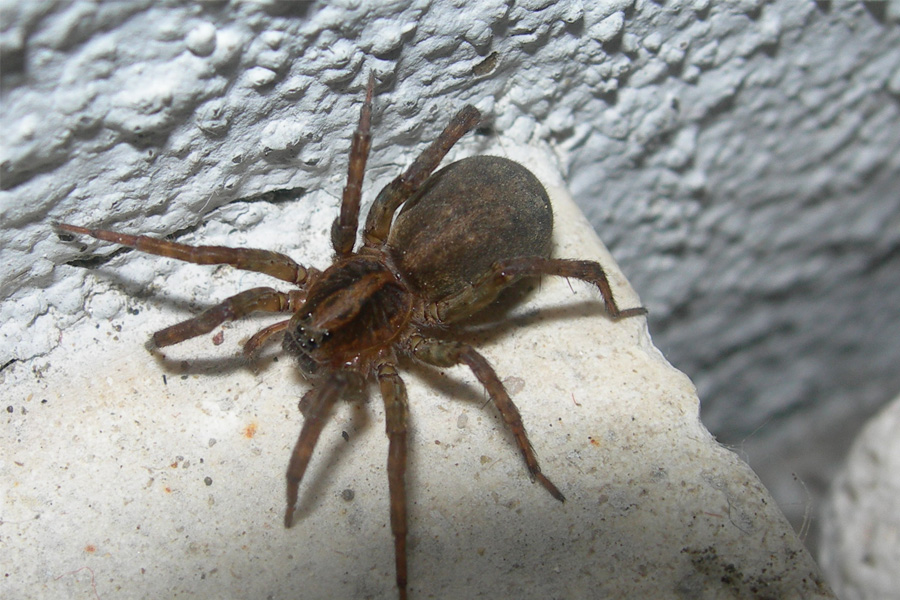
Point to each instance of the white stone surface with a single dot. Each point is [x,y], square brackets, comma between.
[741,159]
[861,521]
[133,478]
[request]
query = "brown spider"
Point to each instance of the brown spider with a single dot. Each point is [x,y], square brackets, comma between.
[463,235]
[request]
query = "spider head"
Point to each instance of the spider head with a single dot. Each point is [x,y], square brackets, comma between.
[304,341]
[354,310]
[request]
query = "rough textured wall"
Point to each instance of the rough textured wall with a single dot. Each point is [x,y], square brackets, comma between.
[861,517]
[742,161]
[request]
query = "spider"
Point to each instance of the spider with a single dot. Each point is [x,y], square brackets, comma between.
[462,235]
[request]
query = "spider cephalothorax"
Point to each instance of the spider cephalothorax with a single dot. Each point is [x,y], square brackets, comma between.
[462,235]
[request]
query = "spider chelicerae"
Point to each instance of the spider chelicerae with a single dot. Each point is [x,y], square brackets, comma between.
[462,235]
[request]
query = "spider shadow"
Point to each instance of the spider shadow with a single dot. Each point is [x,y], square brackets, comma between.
[485,331]
[506,315]
[491,325]
[322,479]
[222,359]
[227,362]
[329,451]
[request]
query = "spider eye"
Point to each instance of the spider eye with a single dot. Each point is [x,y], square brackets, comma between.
[311,342]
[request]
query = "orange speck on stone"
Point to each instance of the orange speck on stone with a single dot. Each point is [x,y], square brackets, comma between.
[250,430]
[90,548]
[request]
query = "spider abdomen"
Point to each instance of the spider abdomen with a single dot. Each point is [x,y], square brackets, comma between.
[464,218]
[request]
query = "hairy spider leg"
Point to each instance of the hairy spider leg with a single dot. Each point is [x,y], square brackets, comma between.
[343,230]
[317,404]
[389,199]
[396,408]
[262,336]
[236,307]
[447,354]
[473,298]
[267,262]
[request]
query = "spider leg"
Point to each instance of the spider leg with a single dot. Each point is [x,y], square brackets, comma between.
[447,354]
[318,403]
[236,307]
[343,230]
[247,259]
[396,408]
[485,290]
[378,221]
[262,336]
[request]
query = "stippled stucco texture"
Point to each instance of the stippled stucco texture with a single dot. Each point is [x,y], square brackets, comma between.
[861,519]
[741,160]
